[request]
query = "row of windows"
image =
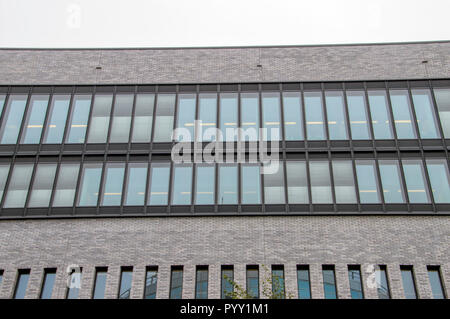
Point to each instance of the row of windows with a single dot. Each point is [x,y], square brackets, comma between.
[295,182]
[311,115]
[227,282]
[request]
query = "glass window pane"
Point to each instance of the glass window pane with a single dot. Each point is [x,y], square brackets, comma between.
[4,170]
[354,278]
[136,183]
[274,186]
[253,282]
[402,114]
[251,184]
[278,290]
[381,123]
[205,184]
[315,128]
[409,287]
[75,284]
[66,185]
[293,118]
[337,124]
[186,116]
[176,283]
[329,283]
[49,282]
[126,277]
[21,284]
[151,281]
[56,124]
[344,182]
[228,116]
[182,185]
[367,182]
[112,184]
[164,118]
[426,119]
[436,283]
[201,283]
[228,184]
[79,118]
[41,190]
[443,104]
[303,284]
[390,180]
[18,186]
[297,183]
[2,102]
[89,185]
[159,184]
[12,118]
[439,179]
[100,284]
[227,279]
[98,128]
[143,118]
[120,127]
[320,182]
[207,114]
[358,116]
[415,181]
[34,121]
[271,116]
[382,283]
[250,116]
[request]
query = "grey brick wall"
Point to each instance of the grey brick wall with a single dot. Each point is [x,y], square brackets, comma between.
[216,241]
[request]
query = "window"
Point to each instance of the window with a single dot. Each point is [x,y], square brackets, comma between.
[253,281]
[443,106]
[165,107]
[176,282]
[101,111]
[4,170]
[100,282]
[34,121]
[329,282]
[121,123]
[136,183]
[315,128]
[143,118]
[59,108]
[207,114]
[186,116]
[271,116]
[320,182]
[250,184]
[278,289]
[49,282]
[426,119]
[391,181]
[379,111]
[21,283]
[151,281]
[112,184]
[126,277]
[382,283]
[358,116]
[12,118]
[89,185]
[409,286]
[274,186]
[227,280]
[415,181]
[66,185]
[367,181]
[293,118]
[79,117]
[297,183]
[402,114]
[228,116]
[18,186]
[344,182]
[75,285]
[2,102]
[439,180]
[303,282]
[434,274]
[159,184]
[201,282]
[250,116]
[1,272]
[228,184]
[337,124]
[42,185]
[205,184]
[354,278]
[182,185]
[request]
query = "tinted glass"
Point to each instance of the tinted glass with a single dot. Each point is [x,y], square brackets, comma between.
[143,118]
[201,284]
[250,184]
[278,283]
[250,116]
[165,107]
[186,116]
[176,284]
[207,114]
[21,284]
[182,185]
[315,128]
[436,283]
[4,170]
[159,184]
[379,111]
[121,123]
[426,119]
[59,108]
[439,180]
[415,181]
[89,185]
[125,284]
[304,288]
[101,111]
[49,282]
[409,287]
[205,184]
[228,184]
[344,182]
[329,284]
[358,115]
[337,124]
[253,282]
[78,119]
[367,182]
[151,281]
[274,186]
[443,105]
[320,182]
[66,185]
[402,114]
[293,118]
[42,185]
[228,116]
[12,118]
[18,186]
[100,284]
[382,283]
[271,116]
[297,183]
[136,183]
[354,278]
[112,185]
[34,121]
[390,181]
[227,286]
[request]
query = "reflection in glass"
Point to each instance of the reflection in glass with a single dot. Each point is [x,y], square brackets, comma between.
[227,279]
[49,282]
[303,283]
[228,116]
[271,116]
[2,102]
[176,283]
[409,286]
[136,183]
[278,282]
[182,185]
[100,284]
[402,114]
[18,186]
[207,114]
[443,105]
[382,283]
[274,186]
[112,184]
[251,184]
[42,185]
[293,119]
[253,281]
[315,128]
[12,118]
[297,183]
[78,118]
[415,181]
[390,181]
[435,282]
[439,180]
[89,185]
[201,283]
[56,124]
[4,170]
[159,183]
[120,127]
[320,182]
[165,107]
[329,282]
[344,183]
[151,281]
[228,184]
[66,185]
[126,277]
[250,116]
[381,123]
[337,125]
[354,278]
[143,118]
[367,182]
[205,184]
[358,116]
[98,127]
[186,116]
[34,121]
[426,119]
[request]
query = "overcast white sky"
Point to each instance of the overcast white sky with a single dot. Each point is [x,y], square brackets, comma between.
[187,23]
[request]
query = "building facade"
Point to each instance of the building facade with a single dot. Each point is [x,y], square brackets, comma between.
[358,206]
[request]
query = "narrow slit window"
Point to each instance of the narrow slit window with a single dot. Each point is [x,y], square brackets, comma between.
[73,290]
[253,281]
[355,281]
[121,122]
[271,116]
[293,118]
[250,116]
[79,117]
[136,183]
[207,116]
[359,123]
[143,118]
[20,290]
[315,122]
[227,282]
[379,111]
[382,282]
[303,282]
[101,112]
[434,274]
[278,289]
[186,117]
[48,283]
[34,120]
[176,283]
[59,109]
[100,283]
[112,184]
[409,285]
[126,278]
[159,184]
[228,117]
[151,281]
[329,282]
[337,124]
[201,282]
